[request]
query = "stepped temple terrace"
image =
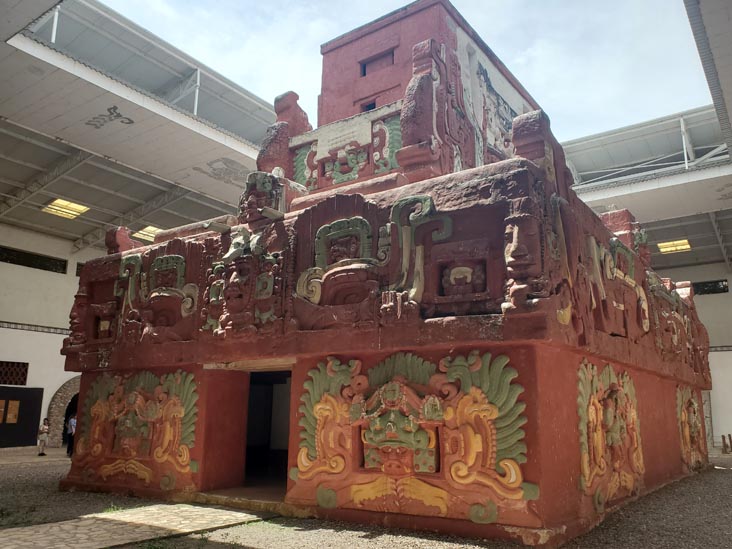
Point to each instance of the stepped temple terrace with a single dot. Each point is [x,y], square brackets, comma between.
[412,320]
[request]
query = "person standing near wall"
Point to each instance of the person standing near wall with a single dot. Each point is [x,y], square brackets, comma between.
[43,437]
[71,431]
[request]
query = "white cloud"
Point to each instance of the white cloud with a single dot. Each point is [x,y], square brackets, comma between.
[592,65]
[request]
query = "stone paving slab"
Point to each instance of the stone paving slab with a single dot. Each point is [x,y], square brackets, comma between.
[123,527]
[29,455]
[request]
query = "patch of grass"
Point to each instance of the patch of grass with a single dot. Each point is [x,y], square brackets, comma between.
[203,540]
[154,544]
[112,508]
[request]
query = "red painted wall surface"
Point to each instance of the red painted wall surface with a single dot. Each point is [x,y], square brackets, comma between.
[225,425]
[558,455]
[556,428]
[344,90]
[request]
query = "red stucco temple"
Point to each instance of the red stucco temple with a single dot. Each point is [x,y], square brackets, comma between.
[440,333]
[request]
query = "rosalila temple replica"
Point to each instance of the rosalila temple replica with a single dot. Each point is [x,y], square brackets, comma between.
[412,320]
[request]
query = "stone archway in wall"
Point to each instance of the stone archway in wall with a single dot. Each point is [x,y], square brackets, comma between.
[57,409]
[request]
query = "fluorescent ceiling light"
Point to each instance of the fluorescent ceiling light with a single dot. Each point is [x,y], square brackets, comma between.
[674,246]
[64,208]
[148,233]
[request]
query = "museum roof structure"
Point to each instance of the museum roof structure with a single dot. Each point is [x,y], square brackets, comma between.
[100,113]
[674,173]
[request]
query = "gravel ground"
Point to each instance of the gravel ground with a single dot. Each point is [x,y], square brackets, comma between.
[693,513]
[29,495]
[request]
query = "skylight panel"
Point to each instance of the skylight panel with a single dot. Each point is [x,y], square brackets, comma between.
[674,246]
[65,208]
[148,233]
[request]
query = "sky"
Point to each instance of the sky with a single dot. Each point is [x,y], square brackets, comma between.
[592,65]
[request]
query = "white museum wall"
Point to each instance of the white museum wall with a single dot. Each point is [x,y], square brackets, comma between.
[36,297]
[41,352]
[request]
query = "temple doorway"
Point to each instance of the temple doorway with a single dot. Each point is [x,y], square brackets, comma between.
[59,410]
[70,410]
[268,431]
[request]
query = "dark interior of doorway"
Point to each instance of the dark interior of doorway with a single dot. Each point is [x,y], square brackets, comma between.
[268,429]
[70,409]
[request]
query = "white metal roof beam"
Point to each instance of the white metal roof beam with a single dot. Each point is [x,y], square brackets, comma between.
[608,190]
[648,163]
[179,88]
[720,239]
[688,235]
[46,190]
[91,206]
[131,49]
[53,173]
[651,166]
[711,151]
[653,227]
[126,197]
[88,185]
[20,162]
[41,169]
[711,154]
[576,177]
[177,76]
[135,215]
[106,83]
[688,145]
[693,10]
[237,107]
[225,209]
[15,15]
[180,56]
[34,227]
[158,186]
[83,219]
[218,204]
[41,21]
[36,142]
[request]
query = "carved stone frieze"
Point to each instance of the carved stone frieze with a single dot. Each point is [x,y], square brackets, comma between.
[400,437]
[612,465]
[691,432]
[157,304]
[246,287]
[138,429]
